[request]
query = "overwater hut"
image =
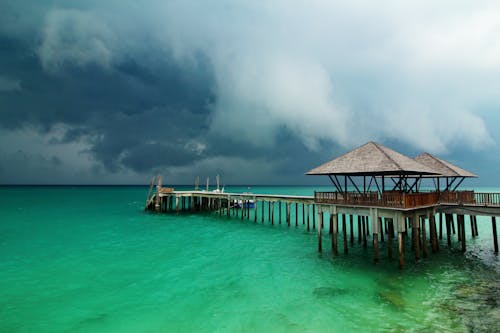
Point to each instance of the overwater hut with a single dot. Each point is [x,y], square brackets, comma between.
[361,177]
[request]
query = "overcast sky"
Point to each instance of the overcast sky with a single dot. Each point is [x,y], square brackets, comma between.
[111,92]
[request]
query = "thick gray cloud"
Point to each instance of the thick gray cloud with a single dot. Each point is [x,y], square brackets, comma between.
[188,87]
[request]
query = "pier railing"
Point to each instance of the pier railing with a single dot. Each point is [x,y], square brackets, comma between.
[407,200]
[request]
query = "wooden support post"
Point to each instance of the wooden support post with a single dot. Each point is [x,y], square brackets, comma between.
[448,228]
[314,216]
[495,239]
[255,210]
[228,211]
[269,211]
[359,229]
[363,221]
[376,229]
[367,226]
[296,214]
[424,238]
[390,235]
[452,220]
[475,225]
[272,214]
[242,208]
[344,232]
[459,232]
[380,228]
[279,208]
[401,250]
[308,217]
[440,225]
[288,213]
[461,221]
[351,229]
[262,217]
[334,225]
[472,229]
[303,214]
[331,224]
[433,232]
[320,222]
[416,236]
[176,204]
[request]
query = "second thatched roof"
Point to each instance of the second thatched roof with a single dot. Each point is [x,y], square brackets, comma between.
[444,168]
[372,159]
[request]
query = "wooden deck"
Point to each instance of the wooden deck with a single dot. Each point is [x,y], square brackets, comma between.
[398,200]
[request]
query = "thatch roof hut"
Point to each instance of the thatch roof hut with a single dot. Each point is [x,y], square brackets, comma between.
[444,168]
[372,159]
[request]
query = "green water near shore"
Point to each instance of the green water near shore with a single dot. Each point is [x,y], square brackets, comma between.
[88,259]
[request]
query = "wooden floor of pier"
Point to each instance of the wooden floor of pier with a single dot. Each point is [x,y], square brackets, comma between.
[425,225]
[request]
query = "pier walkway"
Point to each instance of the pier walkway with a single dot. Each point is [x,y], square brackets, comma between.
[390,216]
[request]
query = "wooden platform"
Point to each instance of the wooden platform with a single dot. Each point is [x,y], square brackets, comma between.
[388,216]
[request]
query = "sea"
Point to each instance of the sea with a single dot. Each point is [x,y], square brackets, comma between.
[90,259]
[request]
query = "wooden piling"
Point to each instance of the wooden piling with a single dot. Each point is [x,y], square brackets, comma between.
[269,210]
[330,230]
[320,222]
[288,214]
[433,232]
[472,229]
[351,229]
[344,232]
[296,214]
[416,237]
[390,236]
[475,226]
[303,214]
[262,208]
[359,228]
[334,226]
[401,250]
[308,217]
[461,221]
[440,225]
[448,229]
[494,227]
[314,215]
[381,232]
[424,238]
[279,208]
[363,222]
[272,214]
[375,247]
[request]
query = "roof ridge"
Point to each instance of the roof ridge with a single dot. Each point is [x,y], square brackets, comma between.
[386,155]
[442,163]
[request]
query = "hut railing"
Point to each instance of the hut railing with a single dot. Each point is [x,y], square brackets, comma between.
[457,197]
[407,200]
[487,199]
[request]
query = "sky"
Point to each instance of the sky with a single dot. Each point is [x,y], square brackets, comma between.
[260,92]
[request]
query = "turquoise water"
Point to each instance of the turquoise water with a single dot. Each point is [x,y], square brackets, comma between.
[89,259]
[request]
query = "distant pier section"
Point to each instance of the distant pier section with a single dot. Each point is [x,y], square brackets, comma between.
[376,196]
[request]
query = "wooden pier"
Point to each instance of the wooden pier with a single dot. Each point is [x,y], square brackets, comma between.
[425,224]
[384,214]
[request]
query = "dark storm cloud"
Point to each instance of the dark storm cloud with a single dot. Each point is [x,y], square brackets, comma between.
[271,89]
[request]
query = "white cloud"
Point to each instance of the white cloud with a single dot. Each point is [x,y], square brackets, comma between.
[75,37]
[346,72]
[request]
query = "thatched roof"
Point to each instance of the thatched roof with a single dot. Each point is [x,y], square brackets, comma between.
[444,168]
[372,159]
